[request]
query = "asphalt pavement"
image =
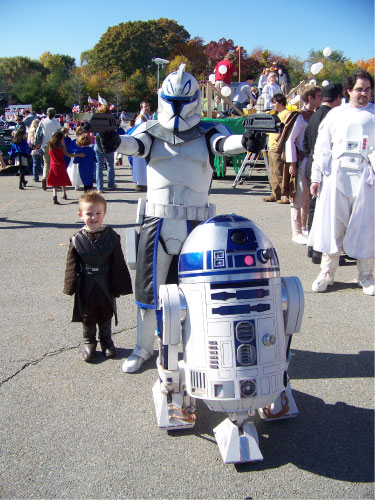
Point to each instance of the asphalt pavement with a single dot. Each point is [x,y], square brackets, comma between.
[73,430]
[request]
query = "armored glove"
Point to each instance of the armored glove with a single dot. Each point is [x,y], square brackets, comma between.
[108,141]
[253,141]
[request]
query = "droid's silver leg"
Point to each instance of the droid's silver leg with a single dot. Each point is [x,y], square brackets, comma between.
[238,442]
[173,405]
[283,407]
[173,409]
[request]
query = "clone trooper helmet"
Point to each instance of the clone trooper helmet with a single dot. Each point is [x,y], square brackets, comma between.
[179,101]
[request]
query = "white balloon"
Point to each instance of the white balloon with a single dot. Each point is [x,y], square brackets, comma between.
[226,91]
[315,68]
[325,83]
[312,82]
[327,52]
[222,69]
[211,78]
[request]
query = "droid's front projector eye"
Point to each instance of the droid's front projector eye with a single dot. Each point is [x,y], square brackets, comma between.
[238,237]
[247,388]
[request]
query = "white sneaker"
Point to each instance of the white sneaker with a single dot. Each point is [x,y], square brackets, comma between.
[324,279]
[300,239]
[367,282]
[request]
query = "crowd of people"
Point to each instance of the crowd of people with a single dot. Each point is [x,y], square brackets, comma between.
[43,145]
[247,94]
[312,165]
[294,170]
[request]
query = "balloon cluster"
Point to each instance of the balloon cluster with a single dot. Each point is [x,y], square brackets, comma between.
[112,107]
[75,108]
[317,67]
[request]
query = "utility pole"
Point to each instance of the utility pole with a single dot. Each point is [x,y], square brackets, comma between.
[159,62]
[238,49]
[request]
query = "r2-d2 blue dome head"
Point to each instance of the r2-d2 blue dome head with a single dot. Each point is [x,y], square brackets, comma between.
[227,248]
[179,104]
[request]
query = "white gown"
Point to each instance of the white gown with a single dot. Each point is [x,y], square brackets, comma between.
[345,210]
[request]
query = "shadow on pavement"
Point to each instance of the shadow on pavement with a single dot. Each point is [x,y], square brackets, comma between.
[325,365]
[333,441]
[23,224]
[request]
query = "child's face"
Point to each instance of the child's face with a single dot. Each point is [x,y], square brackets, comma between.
[92,215]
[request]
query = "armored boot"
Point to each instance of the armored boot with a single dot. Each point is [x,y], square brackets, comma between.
[105,338]
[89,342]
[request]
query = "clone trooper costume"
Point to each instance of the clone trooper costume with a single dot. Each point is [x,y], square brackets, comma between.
[177,148]
[345,210]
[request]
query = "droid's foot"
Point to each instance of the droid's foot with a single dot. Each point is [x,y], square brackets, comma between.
[135,361]
[283,407]
[238,444]
[171,413]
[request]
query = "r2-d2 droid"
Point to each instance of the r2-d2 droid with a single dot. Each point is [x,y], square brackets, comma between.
[236,316]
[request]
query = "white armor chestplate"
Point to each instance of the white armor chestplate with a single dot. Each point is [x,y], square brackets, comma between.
[351,151]
[178,179]
[355,139]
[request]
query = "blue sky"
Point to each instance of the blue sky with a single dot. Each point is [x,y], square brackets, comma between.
[284,26]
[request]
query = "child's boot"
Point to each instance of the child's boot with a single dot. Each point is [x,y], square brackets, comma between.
[55,202]
[89,342]
[105,338]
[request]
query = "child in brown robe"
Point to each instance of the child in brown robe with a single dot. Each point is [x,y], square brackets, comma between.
[95,274]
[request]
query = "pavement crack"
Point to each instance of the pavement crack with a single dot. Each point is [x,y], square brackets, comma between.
[50,354]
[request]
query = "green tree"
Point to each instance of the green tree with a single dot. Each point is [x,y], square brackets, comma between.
[194,51]
[23,79]
[336,67]
[132,45]
[86,57]
[296,69]
[137,87]
[175,64]
[30,91]
[57,62]
[74,90]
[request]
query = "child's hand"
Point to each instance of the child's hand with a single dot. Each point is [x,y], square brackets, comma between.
[82,155]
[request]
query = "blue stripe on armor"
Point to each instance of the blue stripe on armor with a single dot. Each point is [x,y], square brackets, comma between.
[145,306]
[154,263]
